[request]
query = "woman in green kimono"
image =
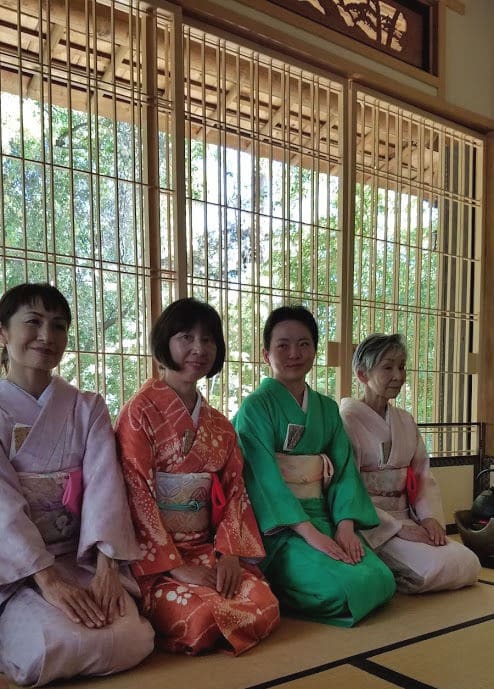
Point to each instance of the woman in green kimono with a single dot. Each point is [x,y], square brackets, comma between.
[304,486]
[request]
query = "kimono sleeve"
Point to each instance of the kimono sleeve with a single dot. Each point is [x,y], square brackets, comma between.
[274,504]
[347,496]
[135,446]
[237,533]
[428,502]
[23,550]
[105,517]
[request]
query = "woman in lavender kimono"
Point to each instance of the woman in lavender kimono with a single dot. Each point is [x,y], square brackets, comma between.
[65,609]
[394,465]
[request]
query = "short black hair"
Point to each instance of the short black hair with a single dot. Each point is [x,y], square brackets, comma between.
[27,294]
[290,313]
[181,316]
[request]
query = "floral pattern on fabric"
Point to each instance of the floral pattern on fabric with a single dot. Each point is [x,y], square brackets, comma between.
[153,430]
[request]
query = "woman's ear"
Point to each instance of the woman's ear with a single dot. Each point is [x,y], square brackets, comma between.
[265,356]
[362,377]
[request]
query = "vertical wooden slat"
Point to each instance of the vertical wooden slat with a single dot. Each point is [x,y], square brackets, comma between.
[151,159]
[347,222]
[179,204]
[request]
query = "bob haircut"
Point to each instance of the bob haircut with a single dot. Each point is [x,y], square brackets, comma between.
[290,313]
[181,316]
[372,350]
[27,294]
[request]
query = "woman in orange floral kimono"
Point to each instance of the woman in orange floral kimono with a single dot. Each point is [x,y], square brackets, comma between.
[193,519]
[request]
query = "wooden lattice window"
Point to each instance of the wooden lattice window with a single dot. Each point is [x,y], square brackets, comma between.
[86,175]
[417,253]
[264,168]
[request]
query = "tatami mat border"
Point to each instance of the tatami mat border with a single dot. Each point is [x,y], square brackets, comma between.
[389,675]
[359,658]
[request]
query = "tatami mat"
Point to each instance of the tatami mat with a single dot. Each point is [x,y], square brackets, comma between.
[342,677]
[458,660]
[303,648]
[487,574]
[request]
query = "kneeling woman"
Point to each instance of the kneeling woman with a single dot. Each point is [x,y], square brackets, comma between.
[394,464]
[305,490]
[64,517]
[193,519]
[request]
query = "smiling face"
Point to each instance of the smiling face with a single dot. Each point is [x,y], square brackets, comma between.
[35,339]
[194,353]
[291,352]
[386,378]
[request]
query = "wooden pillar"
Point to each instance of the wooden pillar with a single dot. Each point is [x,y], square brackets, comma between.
[486,369]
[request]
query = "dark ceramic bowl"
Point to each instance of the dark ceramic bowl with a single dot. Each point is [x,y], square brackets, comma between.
[480,540]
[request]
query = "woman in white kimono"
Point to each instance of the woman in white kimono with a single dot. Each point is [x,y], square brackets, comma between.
[65,609]
[394,465]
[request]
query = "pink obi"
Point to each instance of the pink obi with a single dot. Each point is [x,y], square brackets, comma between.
[54,500]
[307,476]
[190,504]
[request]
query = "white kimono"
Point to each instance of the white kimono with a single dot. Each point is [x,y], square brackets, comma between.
[62,497]
[384,449]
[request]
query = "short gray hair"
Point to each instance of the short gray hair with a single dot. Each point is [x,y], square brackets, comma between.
[371,350]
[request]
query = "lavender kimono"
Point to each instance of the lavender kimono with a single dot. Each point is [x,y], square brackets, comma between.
[62,498]
[383,450]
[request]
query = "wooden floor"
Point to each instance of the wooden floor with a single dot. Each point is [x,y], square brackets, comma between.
[441,641]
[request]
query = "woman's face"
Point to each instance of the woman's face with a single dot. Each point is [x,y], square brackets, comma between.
[35,338]
[194,352]
[291,352]
[387,377]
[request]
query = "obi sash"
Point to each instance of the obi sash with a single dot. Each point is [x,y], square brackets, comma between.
[54,500]
[307,476]
[388,489]
[190,504]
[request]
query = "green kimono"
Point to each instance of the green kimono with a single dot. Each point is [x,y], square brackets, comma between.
[307,581]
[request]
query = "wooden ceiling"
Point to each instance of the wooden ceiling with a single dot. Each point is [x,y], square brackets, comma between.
[89,55]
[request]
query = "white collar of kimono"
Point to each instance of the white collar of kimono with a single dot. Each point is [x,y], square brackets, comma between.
[196,411]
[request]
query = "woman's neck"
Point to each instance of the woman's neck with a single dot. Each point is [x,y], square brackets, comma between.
[376,402]
[185,390]
[295,388]
[33,381]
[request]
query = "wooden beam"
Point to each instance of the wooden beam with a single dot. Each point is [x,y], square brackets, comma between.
[54,36]
[56,10]
[455,6]
[121,53]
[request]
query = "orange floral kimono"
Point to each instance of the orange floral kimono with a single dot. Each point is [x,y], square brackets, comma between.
[168,462]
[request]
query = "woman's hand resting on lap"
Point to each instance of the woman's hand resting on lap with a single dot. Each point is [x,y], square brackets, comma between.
[348,540]
[321,542]
[106,589]
[73,600]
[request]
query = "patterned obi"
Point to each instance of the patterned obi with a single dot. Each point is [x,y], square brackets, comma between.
[388,489]
[307,476]
[54,501]
[190,504]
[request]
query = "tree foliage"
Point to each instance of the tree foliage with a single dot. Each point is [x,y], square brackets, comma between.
[262,233]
